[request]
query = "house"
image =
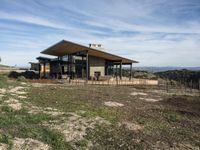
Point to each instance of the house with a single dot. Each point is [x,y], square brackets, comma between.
[77,61]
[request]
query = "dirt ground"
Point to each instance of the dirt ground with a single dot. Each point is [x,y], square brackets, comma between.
[54,116]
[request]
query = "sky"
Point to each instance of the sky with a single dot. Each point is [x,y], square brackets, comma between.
[153,32]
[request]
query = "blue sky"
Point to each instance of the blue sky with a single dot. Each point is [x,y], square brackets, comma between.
[154,32]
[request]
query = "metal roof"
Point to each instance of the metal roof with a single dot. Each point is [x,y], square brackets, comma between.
[66,47]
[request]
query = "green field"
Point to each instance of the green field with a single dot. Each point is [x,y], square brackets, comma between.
[51,116]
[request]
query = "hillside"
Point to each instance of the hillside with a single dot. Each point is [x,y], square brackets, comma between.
[186,77]
[161,69]
[4,66]
[7,67]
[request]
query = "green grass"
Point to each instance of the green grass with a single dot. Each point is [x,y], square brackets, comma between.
[114,138]
[22,79]
[173,116]
[71,100]
[173,120]
[24,125]
[3,81]
[6,139]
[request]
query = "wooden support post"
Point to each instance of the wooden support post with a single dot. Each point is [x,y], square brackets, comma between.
[87,66]
[131,66]
[113,70]
[199,87]
[59,59]
[199,84]
[82,70]
[107,68]
[44,70]
[39,71]
[70,66]
[116,70]
[60,70]
[120,70]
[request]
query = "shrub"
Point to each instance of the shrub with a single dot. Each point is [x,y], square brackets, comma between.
[22,79]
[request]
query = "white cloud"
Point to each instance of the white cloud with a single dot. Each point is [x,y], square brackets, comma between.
[30,19]
[154,33]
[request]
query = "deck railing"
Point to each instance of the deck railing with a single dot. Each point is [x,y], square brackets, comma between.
[115,82]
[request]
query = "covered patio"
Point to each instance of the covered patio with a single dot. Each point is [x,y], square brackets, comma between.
[83,60]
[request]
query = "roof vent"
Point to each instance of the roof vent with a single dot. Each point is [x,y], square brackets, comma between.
[97,46]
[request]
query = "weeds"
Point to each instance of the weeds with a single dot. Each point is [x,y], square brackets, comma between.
[6,139]
[64,100]
[174,120]
[24,125]
[21,79]
[114,138]
[3,80]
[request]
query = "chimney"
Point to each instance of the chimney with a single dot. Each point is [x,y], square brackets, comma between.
[97,46]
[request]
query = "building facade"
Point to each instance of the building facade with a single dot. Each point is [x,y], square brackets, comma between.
[77,61]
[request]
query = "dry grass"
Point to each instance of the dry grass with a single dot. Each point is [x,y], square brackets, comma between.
[76,117]
[170,121]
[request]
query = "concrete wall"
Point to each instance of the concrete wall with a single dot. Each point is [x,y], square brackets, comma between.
[96,65]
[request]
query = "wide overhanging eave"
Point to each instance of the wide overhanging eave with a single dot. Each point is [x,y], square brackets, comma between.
[66,47]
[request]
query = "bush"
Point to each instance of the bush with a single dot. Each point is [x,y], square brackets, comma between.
[26,75]
[144,75]
[22,79]
[185,77]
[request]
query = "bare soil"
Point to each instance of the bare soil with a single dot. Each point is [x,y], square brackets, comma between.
[29,144]
[98,117]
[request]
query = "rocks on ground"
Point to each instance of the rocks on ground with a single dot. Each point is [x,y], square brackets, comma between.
[15,104]
[29,144]
[48,110]
[74,127]
[150,99]
[2,90]
[132,126]
[139,93]
[113,104]
[3,146]
[18,90]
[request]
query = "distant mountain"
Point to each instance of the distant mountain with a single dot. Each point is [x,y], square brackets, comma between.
[160,69]
[3,65]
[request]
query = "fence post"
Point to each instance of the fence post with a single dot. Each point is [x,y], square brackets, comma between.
[167,85]
[185,85]
[199,87]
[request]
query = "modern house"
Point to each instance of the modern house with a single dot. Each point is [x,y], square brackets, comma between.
[77,61]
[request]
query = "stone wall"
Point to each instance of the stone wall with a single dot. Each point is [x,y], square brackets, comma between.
[96,65]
